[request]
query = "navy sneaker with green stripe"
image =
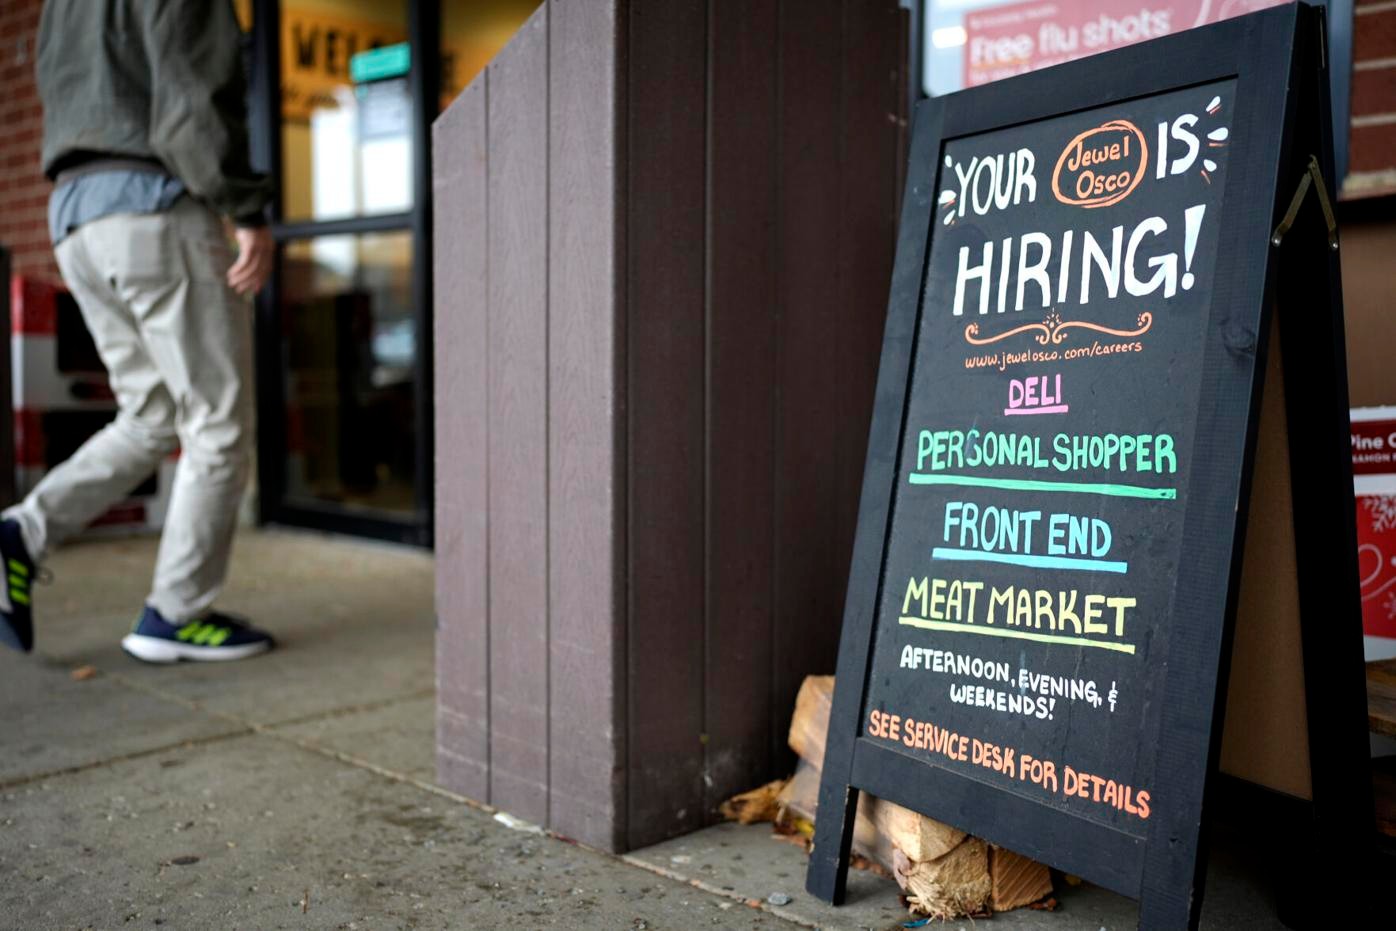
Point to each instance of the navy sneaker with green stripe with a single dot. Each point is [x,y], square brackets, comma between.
[211,638]
[16,616]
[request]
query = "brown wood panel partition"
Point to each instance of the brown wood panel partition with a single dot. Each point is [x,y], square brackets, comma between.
[665,170]
[586,425]
[516,345]
[742,316]
[460,191]
[664,234]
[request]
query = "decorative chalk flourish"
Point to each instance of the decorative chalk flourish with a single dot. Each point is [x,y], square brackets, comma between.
[1053,330]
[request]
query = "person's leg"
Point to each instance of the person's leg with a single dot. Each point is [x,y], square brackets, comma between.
[109,465]
[170,269]
[124,453]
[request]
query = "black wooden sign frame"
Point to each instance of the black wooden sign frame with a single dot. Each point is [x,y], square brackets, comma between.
[1277,60]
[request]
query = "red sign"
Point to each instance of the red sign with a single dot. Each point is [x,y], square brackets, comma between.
[1373,447]
[1376,554]
[1021,37]
[1374,471]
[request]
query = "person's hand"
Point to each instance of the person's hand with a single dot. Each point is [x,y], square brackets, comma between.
[253,264]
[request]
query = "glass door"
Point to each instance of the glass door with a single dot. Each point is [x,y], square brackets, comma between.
[343,94]
[344,328]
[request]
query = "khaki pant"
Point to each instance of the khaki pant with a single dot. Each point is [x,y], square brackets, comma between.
[176,341]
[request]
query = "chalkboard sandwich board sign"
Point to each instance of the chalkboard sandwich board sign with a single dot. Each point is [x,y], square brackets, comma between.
[1052,578]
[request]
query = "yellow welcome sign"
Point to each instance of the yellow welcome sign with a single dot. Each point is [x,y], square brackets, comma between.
[317,44]
[315,54]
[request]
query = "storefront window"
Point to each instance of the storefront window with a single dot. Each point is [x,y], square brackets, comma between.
[348,452]
[973,42]
[351,350]
[346,126]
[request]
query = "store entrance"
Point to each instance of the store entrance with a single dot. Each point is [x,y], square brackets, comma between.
[343,94]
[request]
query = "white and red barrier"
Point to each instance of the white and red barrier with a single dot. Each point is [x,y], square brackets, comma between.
[61,396]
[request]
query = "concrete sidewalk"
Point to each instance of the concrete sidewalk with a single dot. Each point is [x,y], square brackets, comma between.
[289,791]
[296,790]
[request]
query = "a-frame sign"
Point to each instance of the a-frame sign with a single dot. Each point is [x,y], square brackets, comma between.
[1052,578]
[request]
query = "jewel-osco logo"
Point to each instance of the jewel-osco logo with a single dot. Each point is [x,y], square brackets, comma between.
[1102,166]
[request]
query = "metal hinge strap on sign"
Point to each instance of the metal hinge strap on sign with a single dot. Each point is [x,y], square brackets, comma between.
[1312,176]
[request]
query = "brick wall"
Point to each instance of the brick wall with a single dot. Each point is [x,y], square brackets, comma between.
[1372,156]
[23,188]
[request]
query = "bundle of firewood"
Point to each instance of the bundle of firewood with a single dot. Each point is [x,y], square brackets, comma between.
[944,872]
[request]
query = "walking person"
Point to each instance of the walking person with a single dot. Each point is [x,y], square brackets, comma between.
[145,139]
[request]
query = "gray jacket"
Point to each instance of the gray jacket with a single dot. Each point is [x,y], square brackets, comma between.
[150,79]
